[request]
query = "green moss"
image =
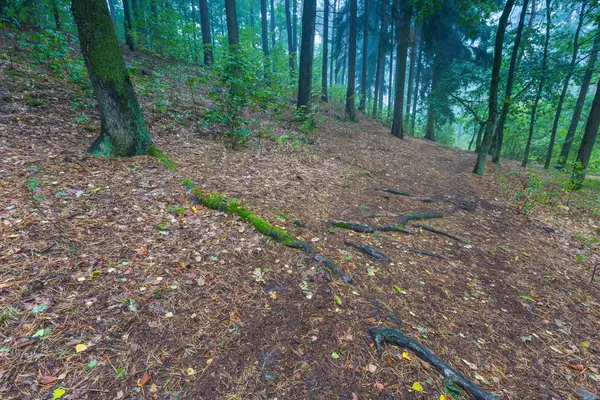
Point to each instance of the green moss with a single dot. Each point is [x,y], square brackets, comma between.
[217,201]
[34,102]
[153,151]
[188,184]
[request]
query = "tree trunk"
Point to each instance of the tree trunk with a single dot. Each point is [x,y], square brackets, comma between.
[391,69]
[417,83]
[309,15]
[350,93]
[113,18]
[587,143]
[585,84]
[264,23]
[295,26]
[509,84]
[205,27]
[411,72]
[493,100]
[128,25]
[123,130]
[331,61]
[538,95]
[325,50]
[56,14]
[290,36]
[272,23]
[380,57]
[365,50]
[233,35]
[403,31]
[565,87]
[435,78]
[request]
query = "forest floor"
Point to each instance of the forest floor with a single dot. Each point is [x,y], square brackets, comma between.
[113,284]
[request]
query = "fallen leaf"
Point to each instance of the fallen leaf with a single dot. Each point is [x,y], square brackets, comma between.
[442,397]
[577,367]
[80,347]
[417,387]
[191,371]
[58,393]
[470,364]
[406,356]
[372,368]
[144,379]
[379,385]
[47,380]
[335,355]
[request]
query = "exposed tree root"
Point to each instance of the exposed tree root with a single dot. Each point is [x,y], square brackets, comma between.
[370,229]
[422,252]
[397,338]
[426,200]
[424,215]
[219,202]
[392,191]
[440,232]
[368,250]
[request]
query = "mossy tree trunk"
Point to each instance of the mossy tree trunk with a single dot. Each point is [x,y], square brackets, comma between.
[411,72]
[264,25]
[205,27]
[290,40]
[128,25]
[350,92]
[587,143]
[417,84]
[309,16]
[325,50]
[495,82]
[272,21]
[123,129]
[403,31]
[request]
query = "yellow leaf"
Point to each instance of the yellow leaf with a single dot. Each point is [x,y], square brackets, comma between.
[442,397]
[191,371]
[417,386]
[58,393]
[406,356]
[427,271]
[80,347]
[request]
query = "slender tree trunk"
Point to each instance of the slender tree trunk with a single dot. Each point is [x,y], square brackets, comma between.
[417,83]
[273,24]
[538,95]
[325,50]
[380,57]
[309,15]
[411,72]
[123,130]
[365,57]
[331,61]
[350,93]
[499,135]
[233,35]
[205,27]
[493,99]
[565,87]
[435,78]
[136,21]
[403,31]
[295,26]
[113,18]
[290,36]
[128,25]
[265,35]
[587,143]
[55,13]
[585,84]
[391,70]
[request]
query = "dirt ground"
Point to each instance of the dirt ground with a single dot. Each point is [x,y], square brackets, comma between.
[121,287]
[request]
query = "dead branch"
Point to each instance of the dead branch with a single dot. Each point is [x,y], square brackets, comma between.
[440,232]
[422,252]
[392,191]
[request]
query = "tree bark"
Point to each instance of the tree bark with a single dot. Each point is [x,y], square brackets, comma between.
[509,84]
[365,50]
[391,69]
[585,84]
[295,26]
[273,24]
[538,95]
[493,100]
[411,72]
[111,5]
[350,93]
[435,78]
[265,34]
[565,87]
[331,61]
[403,31]
[123,129]
[233,35]
[417,83]
[380,57]
[128,25]
[588,141]
[309,15]
[290,33]
[325,50]
[205,27]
